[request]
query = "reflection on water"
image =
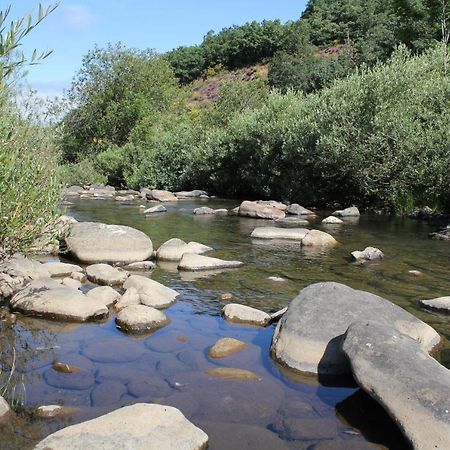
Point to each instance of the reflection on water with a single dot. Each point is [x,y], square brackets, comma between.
[168,367]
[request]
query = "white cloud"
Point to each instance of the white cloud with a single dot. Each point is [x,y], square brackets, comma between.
[78,16]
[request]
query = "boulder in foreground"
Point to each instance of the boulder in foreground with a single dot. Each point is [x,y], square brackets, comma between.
[308,337]
[410,385]
[139,427]
[191,262]
[92,242]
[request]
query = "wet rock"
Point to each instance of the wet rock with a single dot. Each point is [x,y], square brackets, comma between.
[107,393]
[140,319]
[291,221]
[81,277]
[245,314]
[409,384]
[80,380]
[440,304]
[317,238]
[155,209]
[368,254]
[259,210]
[277,279]
[230,373]
[291,428]
[161,196]
[59,302]
[113,350]
[296,209]
[92,242]
[227,297]
[295,234]
[140,426]
[225,347]
[192,262]
[4,408]
[332,220]
[174,249]
[106,275]
[129,298]
[54,411]
[168,343]
[104,294]
[142,266]
[442,235]
[151,293]
[309,336]
[64,367]
[149,387]
[71,283]
[294,407]
[59,269]
[353,211]
[196,193]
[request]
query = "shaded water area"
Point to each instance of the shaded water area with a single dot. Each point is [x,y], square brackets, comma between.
[281,410]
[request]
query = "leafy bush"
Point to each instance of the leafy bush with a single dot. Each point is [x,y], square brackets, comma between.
[81,173]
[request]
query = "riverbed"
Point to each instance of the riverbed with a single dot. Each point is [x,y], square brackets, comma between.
[281,410]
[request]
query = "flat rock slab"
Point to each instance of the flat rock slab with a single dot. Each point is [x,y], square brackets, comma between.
[317,238]
[226,347]
[80,380]
[151,293]
[410,385]
[106,275]
[59,269]
[54,411]
[140,319]
[174,249]
[309,335]
[92,242]
[353,211]
[104,294]
[230,373]
[192,262]
[141,266]
[245,314]
[260,210]
[139,427]
[57,302]
[191,194]
[295,234]
[441,304]
[113,350]
[291,221]
[29,269]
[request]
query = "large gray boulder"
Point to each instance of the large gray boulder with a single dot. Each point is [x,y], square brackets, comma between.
[151,293]
[92,242]
[174,249]
[308,337]
[140,319]
[259,210]
[139,427]
[106,275]
[193,263]
[161,196]
[410,385]
[56,301]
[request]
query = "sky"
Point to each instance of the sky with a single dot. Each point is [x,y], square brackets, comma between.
[75,27]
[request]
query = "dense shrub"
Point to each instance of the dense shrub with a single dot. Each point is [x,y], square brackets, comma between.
[82,173]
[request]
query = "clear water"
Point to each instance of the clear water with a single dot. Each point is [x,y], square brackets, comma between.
[279,411]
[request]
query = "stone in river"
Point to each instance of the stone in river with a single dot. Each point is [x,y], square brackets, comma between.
[353,211]
[332,220]
[295,234]
[107,393]
[296,209]
[230,373]
[292,428]
[139,427]
[106,275]
[71,283]
[104,294]
[113,350]
[308,337]
[192,262]
[140,319]
[226,347]
[409,384]
[155,209]
[161,196]
[174,249]
[440,304]
[368,254]
[317,238]
[59,269]
[259,210]
[245,314]
[54,411]
[149,387]
[80,380]
[92,242]
[130,297]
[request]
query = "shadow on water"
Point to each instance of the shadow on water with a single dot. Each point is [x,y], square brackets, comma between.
[281,410]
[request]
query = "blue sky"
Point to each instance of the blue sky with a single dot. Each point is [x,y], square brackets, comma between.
[76,26]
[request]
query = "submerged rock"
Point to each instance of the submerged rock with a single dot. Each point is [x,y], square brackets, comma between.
[54,411]
[106,275]
[296,209]
[442,235]
[204,211]
[174,249]
[57,302]
[192,262]
[409,384]
[260,210]
[92,242]
[245,314]
[441,304]
[291,221]
[230,373]
[226,347]
[140,319]
[151,293]
[353,211]
[368,254]
[308,337]
[140,426]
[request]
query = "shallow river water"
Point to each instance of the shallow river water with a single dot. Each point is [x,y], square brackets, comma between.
[281,410]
